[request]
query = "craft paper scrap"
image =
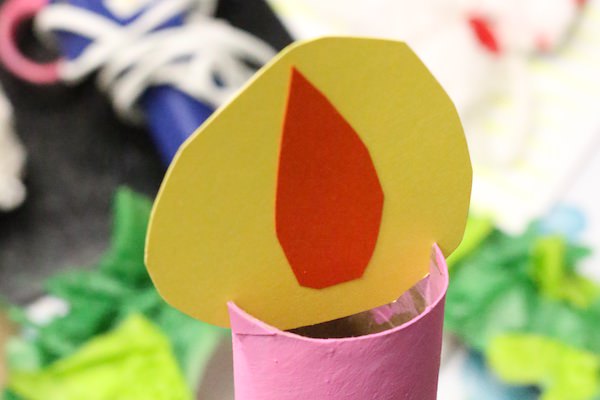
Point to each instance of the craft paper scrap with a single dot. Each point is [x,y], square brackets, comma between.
[222,227]
[87,302]
[564,372]
[132,362]
[329,199]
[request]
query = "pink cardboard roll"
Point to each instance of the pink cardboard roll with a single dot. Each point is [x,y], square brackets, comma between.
[398,363]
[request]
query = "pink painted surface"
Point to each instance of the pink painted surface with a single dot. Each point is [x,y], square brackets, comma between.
[12,14]
[398,364]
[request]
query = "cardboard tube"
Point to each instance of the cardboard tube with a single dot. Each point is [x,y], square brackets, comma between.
[395,364]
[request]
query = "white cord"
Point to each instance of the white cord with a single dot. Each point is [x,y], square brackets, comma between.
[134,57]
[12,160]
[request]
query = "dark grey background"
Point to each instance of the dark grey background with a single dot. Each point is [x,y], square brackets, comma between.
[79,153]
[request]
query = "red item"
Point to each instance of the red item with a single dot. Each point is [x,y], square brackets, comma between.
[329,200]
[483,30]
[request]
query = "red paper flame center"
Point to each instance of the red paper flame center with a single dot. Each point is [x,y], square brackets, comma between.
[329,200]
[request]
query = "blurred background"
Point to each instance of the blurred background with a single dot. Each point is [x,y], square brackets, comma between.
[84,144]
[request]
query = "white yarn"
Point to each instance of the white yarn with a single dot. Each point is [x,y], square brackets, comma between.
[134,57]
[12,160]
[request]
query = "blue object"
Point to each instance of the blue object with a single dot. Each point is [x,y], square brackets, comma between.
[563,219]
[172,115]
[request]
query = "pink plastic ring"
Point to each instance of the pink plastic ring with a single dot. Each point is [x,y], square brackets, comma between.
[12,14]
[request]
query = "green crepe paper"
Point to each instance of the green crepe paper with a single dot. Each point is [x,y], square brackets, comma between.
[102,296]
[477,230]
[133,362]
[502,288]
[526,285]
[555,279]
[563,372]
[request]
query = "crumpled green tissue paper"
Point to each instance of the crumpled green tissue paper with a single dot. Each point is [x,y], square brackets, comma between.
[102,296]
[510,291]
[563,372]
[133,362]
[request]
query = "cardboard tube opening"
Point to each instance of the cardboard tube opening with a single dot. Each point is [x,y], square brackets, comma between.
[409,306]
[396,363]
